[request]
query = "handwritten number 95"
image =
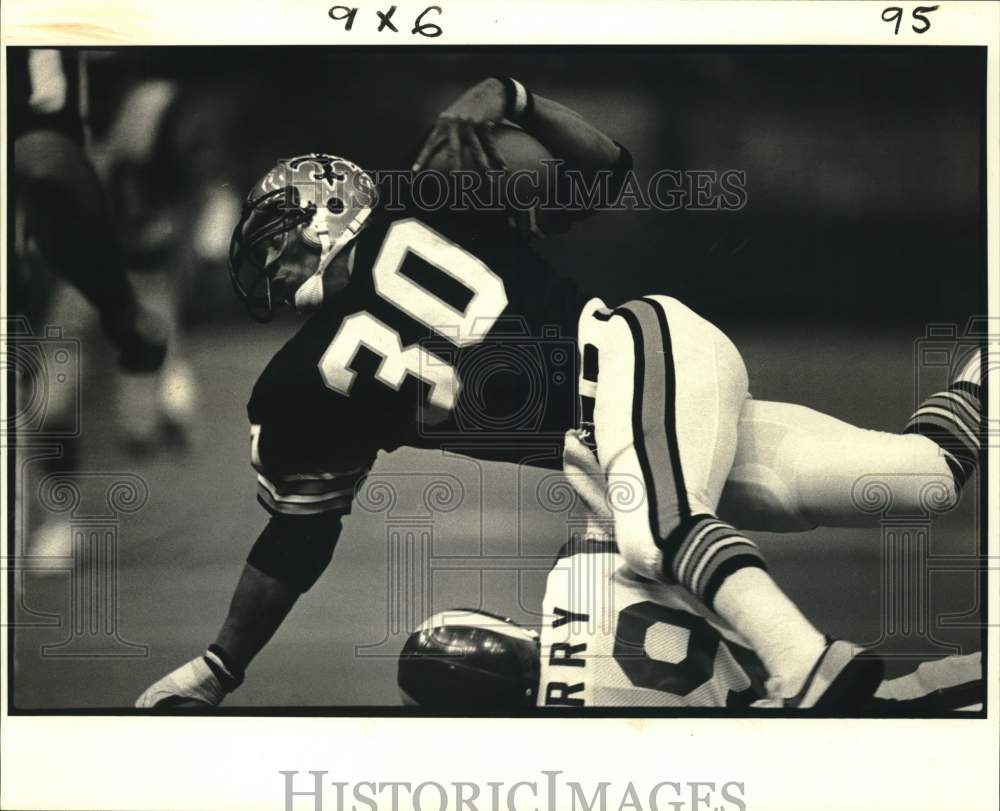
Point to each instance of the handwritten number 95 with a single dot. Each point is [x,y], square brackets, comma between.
[894,14]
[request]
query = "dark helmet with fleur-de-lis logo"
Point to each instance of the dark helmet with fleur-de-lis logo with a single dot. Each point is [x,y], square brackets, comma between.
[320,199]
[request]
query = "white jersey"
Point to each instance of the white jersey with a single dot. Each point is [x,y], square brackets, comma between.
[613,639]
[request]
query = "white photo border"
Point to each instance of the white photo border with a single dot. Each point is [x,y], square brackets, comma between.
[222,763]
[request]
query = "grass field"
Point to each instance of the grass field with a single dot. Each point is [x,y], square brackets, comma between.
[180,555]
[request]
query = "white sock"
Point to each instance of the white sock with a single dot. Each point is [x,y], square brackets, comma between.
[786,642]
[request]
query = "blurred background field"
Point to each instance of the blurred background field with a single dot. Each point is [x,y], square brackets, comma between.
[862,227]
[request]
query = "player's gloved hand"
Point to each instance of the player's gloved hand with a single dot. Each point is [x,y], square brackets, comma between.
[141,338]
[190,686]
[465,129]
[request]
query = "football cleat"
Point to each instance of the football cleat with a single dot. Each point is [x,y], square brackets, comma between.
[320,200]
[468,659]
[843,681]
[191,686]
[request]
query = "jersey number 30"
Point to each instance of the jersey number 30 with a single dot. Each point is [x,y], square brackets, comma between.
[461,328]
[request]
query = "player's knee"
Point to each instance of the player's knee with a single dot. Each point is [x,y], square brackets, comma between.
[761,491]
[756,497]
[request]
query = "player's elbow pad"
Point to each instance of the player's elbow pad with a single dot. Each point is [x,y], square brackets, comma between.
[296,551]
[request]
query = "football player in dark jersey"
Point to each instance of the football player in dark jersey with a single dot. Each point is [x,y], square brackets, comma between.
[413,302]
[409,306]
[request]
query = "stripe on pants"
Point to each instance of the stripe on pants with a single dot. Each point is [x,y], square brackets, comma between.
[654,427]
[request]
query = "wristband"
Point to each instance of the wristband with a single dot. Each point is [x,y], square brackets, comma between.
[520,103]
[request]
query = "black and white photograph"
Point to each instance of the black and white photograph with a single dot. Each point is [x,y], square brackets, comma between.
[576,384]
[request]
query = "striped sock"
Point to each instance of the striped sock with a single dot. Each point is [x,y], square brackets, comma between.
[229,674]
[951,419]
[706,552]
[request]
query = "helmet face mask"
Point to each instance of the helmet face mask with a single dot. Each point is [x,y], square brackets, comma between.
[256,246]
[320,200]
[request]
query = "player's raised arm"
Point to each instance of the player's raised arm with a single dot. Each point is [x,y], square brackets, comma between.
[473,133]
[568,135]
[465,129]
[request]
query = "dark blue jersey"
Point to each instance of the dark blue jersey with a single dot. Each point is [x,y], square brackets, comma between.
[452,333]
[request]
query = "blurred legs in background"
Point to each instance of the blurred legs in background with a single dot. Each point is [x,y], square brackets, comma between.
[159,412]
[67,217]
[64,225]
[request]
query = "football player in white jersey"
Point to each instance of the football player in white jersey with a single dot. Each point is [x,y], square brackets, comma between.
[612,638]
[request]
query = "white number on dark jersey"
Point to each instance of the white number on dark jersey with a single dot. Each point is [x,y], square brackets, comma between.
[461,328]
